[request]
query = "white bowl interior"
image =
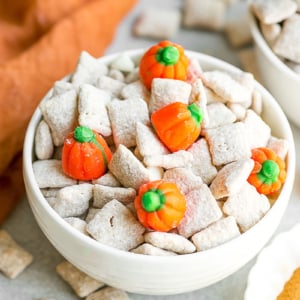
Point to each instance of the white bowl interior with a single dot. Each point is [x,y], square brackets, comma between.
[153,274]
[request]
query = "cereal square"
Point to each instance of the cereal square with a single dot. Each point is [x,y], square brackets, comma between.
[219,114]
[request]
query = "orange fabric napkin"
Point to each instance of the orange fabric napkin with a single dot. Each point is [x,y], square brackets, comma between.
[40,42]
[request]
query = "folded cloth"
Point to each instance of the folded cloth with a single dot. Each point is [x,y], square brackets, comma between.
[27,76]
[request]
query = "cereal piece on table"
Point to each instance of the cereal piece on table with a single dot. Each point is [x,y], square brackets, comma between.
[279,146]
[247,206]
[237,30]
[103,194]
[227,87]
[113,86]
[157,23]
[107,179]
[270,32]
[123,63]
[88,70]
[148,249]
[132,76]
[62,86]
[49,174]
[194,70]
[170,241]
[147,141]
[287,43]
[155,173]
[202,162]
[91,214]
[13,258]
[116,74]
[273,11]
[165,91]
[238,109]
[135,89]
[44,147]
[216,234]
[92,104]
[184,178]
[127,168]
[60,113]
[219,114]
[228,143]
[124,114]
[176,159]
[77,223]
[73,201]
[204,14]
[231,178]
[108,293]
[257,103]
[258,131]
[202,210]
[80,282]
[115,225]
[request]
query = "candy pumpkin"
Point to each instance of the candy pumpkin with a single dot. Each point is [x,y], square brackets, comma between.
[268,173]
[177,125]
[163,60]
[85,154]
[160,205]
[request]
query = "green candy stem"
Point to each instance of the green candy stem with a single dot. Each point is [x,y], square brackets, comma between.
[153,200]
[196,113]
[84,134]
[269,172]
[168,55]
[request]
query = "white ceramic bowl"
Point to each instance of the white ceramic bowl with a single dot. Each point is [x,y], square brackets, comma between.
[278,78]
[274,266]
[161,275]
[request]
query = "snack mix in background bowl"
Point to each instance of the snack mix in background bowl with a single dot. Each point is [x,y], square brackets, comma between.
[275,27]
[158,171]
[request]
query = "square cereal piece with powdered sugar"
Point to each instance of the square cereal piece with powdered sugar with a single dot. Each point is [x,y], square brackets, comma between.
[202,210]
[148,249]
[89,69]
[273,11]
[219,114]
[13,258]
[279,146]
[61,87]
[202,164]
[44,147]
[60,113]
[92,109]
[73,201]
[123,63]
[128,169]
[238,110]
[165,91]
[247,206]
[157,23]
[204,14]
[216,234]
[228,143]
[178,159]
[287,43]
[258,132]
[124,114]
[231,178]
[115,225]
[107,179]
[108,293]
[184,178]
[147,141]
[135,89]
[112,86]
[80,282]
[103,194]
[49,174]
[116,74]
[227,87]
[77,223]
[170,242]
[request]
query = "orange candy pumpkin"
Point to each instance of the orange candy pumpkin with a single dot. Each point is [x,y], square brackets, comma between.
[160,205]
[268,173]
[85,154]
[163,60]
[177,125]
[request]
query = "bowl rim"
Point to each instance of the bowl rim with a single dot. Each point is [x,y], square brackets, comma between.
[28,151]
[263,45]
